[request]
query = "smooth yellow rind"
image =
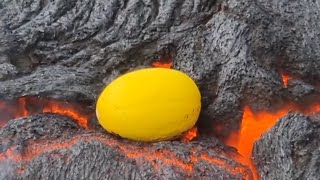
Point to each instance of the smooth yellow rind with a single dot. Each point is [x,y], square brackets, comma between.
[149,105]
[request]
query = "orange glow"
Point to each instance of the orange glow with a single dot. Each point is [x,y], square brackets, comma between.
[165,61]
[224,165]
[190,135]
[162,64]
[22,111]
[27,106]
[285,79]
[193,156]
[254,124]
[312,109]
[148,153]
[31,105]
[54,107]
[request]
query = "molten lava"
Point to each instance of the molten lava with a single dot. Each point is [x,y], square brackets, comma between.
[67,110]
[285,79]
[152,155]
[254,124]
[190,135]
[165,61]
[27,106]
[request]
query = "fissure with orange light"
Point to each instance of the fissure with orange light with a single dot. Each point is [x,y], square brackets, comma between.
[150,154]
[27,106]
[254,124]
[165,61]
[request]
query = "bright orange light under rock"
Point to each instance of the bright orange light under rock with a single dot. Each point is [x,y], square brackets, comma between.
[285,79]
[54,107]
[190,135]
[165,61]
[162,64]
[254,124]
[149,153]
[27,106]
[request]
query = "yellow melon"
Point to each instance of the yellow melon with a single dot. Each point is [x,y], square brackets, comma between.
[151,104]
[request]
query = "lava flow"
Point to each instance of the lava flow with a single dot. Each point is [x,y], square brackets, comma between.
[254,124]
[148,153]
[190,135]
[165,61]
[27,106]
[285,79]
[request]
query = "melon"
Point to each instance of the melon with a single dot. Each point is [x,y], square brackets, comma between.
[152,104]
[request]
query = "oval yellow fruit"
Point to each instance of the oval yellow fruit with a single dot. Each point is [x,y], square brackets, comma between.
[149,105]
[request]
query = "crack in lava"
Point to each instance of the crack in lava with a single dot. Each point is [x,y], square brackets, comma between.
[254,124]
[28,106]
[154,156]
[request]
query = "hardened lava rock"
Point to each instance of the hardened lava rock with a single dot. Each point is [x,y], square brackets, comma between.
[290,150]
[235,50]
[48,146]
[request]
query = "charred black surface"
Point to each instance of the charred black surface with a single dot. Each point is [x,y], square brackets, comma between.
[48,146]
[290,150]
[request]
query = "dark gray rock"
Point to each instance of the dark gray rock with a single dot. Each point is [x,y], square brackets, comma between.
[302,92]
[234,49]
[49,146]
[72,49]
[7,70]
[290,150]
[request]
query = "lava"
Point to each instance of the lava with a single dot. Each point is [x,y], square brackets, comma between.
[165,61]
[67,110]
[224,164]
[254,124]
[190,135]
[27,106]
[285,79]
[151,154]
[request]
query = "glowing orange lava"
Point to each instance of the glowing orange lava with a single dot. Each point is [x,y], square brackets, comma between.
[285,79]
[54,107]
[254,124]
[153,155]
[165,61]
[190,135]
[27,106]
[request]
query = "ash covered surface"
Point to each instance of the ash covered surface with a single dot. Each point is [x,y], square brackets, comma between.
[290,150]
[48,146]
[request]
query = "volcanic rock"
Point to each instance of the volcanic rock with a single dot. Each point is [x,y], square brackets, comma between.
[233,49]
[302,92]
[48,146]
[290,150]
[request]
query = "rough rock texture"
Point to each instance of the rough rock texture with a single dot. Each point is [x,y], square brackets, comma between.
[55,147]
[290,150]
[235,50]
[302,92]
